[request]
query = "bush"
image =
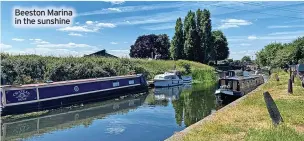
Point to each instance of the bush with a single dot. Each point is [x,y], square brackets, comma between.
[25,69]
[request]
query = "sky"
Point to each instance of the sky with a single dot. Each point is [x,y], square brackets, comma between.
[114,26]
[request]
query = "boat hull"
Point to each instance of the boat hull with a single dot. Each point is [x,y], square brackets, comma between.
[26,99]
[68,101]
[228,93]
[167,83]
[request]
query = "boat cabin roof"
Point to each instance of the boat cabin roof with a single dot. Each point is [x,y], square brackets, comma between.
[71,81]
[240,77]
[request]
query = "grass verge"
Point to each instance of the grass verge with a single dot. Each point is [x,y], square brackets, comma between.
[248,119]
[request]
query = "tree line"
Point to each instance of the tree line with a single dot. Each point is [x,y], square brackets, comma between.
[193,40]
[279,55]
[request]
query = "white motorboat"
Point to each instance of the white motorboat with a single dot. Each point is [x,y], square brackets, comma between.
[168,79]
[187,79]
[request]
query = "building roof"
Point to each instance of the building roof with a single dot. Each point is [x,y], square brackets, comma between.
[102,53]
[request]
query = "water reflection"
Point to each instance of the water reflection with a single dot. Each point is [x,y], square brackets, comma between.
[155,115]
[194,104]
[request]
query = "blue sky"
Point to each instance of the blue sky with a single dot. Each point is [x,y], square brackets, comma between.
[248,26]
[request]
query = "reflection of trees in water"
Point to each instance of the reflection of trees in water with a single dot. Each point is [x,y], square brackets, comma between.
[195,104]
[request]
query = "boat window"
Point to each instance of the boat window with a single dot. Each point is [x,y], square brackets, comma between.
[115,84]
[230,84]
[131,81]
[173,77]
[223,82]
[235,85]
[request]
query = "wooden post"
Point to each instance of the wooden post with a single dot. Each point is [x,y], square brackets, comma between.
[272,109]
[290,86]
[289,72]
[292,78]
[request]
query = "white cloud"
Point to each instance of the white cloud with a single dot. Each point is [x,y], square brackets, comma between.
[75,34]
[113,43]
[89,26]
[89,22]
[285,26]
[5,46]
[160,26]
[232,23]
[114,9]
[245,44]
[108,25]
[252,37]
[18,39]
[140,8]
[287,33]
[38,41]
[116,2]
[68,45]
[78,29]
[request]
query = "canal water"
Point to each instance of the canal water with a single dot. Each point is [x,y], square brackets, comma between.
[151,116]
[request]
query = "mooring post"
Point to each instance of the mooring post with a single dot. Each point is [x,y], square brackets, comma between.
[292,78]
[289,86]
[272,109]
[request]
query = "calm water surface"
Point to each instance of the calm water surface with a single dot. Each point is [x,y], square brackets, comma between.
[151,116]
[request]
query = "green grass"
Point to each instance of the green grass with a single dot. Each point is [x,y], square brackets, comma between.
[249,119]
[25,69]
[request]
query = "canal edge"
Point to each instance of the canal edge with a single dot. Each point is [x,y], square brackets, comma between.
[178,135]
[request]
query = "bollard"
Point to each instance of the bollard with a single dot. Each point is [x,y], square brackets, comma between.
[292,78]
[277,77]
[272,109]
[289,86]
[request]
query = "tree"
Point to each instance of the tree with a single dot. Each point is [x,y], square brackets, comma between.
[246,59]
[147,45]
[190,37]
[220,50]
[200,35]
[207,35]
[177,43]
[299,49]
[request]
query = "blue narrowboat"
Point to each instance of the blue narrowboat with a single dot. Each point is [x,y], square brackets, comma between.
[33,97]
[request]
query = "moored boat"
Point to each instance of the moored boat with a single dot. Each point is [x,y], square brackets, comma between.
[238,85]
[168,79]
[25,98]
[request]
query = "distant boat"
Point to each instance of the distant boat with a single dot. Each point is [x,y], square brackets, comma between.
[171,78]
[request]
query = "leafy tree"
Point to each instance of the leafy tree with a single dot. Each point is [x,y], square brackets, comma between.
[207,35]
[146,45]
[190,37]
[200,35]
[246,59]
[220,50]
[177,43]
[299,49]
[283,57]
[230,60]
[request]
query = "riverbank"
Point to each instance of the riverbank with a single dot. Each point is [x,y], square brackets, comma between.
[248,118]
[26,69]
